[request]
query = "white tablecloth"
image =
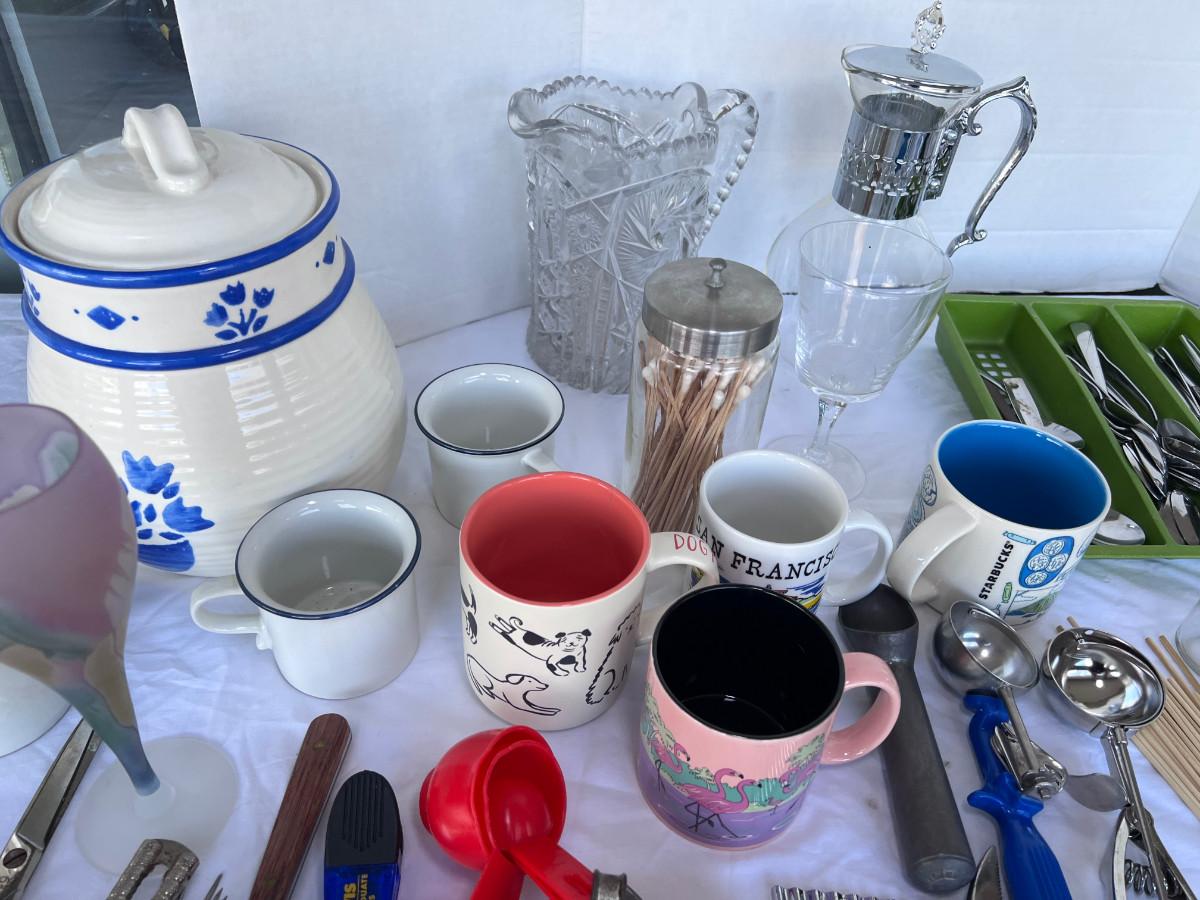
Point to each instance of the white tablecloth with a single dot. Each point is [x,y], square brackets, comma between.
[188,681]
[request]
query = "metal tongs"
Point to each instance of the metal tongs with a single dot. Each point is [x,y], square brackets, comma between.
[1124,874]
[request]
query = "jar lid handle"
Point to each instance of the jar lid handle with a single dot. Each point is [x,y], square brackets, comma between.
[161,138]
[718,266]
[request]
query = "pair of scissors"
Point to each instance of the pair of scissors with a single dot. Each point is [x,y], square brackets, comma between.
[23,852]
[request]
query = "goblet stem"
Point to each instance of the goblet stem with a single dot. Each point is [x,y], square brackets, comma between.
[123,739]
[829,410]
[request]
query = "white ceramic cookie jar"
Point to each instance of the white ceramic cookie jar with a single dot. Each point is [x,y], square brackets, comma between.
[192,306]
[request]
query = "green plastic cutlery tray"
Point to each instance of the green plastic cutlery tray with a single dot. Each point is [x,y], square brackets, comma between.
[1026,335]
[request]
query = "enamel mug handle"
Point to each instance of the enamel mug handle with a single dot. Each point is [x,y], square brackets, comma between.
[866,581]
[226,623]
[674,548]
[161,138]
[923,545]
[539,460]
[849,743]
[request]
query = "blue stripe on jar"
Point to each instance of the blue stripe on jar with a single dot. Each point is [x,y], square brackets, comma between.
[207,356]
[160,278]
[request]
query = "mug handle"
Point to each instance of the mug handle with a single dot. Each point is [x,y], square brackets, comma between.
[866,581]
[539,460]
[226,623]
[849,743]
[923,545]
[675,548]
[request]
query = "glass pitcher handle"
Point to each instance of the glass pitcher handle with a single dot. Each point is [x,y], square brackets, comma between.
[736,115]
[965,124]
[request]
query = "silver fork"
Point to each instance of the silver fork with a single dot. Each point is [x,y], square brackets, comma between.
[216,892]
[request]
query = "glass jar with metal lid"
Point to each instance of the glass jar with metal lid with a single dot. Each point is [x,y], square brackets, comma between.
[706,349]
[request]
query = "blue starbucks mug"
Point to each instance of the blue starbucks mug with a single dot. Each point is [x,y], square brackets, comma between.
[1003,514]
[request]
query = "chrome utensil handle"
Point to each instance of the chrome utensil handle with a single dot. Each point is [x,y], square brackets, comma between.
[965,124]
[1117,742]
[778,892]
[611,887]
[179,860]
[18,860]
[1029,755]
[736,115]
[1031,867]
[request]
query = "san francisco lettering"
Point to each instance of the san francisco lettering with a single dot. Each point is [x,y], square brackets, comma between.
[780,572]
[997,569]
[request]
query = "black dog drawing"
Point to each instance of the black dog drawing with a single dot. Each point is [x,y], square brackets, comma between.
[469,613]
[567,651]
[607,680]
[512,689]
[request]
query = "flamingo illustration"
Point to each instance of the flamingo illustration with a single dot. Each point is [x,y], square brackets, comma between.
[673,759]
[797,775]
[714,798]
[708,804]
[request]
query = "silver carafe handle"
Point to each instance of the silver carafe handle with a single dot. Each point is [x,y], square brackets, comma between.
[964,124]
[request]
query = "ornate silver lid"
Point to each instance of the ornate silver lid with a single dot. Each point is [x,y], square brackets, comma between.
[711,308]
[930,74]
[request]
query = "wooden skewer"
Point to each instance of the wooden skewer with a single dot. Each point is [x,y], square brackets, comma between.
[1193,682]
[1183,771]
[1188,701]
[1166,764]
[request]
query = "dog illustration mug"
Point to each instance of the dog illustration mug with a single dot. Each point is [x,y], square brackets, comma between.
[775,520]
[743,688]
[553,573]
[1002,516]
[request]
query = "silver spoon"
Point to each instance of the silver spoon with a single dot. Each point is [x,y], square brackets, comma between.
[1099,683]
[1119,530]
[1175,430]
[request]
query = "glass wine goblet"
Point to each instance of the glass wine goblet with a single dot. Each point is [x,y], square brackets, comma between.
[68,559]
[866,292]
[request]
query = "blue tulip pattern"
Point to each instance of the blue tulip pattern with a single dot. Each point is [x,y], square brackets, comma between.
[160,514]
[233,299]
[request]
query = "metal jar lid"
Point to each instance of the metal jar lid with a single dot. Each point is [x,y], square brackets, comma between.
[711,308]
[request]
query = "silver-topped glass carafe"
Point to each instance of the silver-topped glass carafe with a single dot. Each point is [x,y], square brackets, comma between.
[912,107]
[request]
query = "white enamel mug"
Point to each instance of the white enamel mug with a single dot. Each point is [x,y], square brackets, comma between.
[332,576]
[775,520]
[486,423]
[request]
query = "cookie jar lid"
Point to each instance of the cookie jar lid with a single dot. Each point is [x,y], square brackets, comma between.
[164,195]
[711,308]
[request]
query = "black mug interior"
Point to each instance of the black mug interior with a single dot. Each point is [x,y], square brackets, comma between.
[748,662]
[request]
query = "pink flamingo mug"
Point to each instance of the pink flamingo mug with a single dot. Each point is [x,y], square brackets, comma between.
[733,732]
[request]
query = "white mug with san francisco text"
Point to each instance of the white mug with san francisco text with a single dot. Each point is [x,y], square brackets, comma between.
[553,573]
[775,520]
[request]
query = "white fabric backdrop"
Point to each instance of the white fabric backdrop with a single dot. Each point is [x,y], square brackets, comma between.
[406,101]
[185,680]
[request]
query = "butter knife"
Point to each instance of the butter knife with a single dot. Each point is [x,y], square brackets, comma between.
[23,852]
